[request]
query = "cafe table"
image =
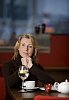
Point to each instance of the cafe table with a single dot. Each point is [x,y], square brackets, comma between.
[29,95]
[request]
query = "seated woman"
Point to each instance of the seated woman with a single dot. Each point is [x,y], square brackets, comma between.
[25,52]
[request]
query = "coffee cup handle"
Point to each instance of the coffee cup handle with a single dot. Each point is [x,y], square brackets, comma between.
[56,85]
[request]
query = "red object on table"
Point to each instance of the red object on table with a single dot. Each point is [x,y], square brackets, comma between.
[48,88]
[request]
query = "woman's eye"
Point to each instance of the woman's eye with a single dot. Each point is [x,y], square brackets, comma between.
[30,46]
[23,44]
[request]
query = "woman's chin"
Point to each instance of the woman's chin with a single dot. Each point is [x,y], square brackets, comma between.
[24,56]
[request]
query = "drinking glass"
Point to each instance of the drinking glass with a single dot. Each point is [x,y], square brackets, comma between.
[23,74]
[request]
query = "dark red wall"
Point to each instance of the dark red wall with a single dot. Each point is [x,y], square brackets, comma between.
[5,56]
[59,55]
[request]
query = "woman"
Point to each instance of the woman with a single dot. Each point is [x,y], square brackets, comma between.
[25,53]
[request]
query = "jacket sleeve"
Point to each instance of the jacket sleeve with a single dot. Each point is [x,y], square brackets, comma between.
[41,74]
[11,77]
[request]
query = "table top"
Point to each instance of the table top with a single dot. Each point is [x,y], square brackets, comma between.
[30,94]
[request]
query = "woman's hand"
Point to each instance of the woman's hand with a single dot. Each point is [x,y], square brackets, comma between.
[24,61]
[27,61]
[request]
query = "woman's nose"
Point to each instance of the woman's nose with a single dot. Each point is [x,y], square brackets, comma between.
[26,48]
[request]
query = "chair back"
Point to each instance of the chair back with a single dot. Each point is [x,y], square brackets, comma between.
[41,97]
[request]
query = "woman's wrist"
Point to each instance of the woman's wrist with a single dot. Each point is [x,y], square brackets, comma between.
[29,66]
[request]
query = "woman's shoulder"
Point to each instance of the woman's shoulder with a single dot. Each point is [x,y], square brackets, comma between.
[12,63]
[7,65]
[9,62]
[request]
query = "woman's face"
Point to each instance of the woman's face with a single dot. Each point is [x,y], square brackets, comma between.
[26,47]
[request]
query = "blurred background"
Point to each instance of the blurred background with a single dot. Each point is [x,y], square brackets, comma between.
[32,16]
[48,20]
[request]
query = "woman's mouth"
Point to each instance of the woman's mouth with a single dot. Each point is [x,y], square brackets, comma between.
[24,53]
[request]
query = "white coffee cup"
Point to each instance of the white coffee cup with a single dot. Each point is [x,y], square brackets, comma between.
[29,84]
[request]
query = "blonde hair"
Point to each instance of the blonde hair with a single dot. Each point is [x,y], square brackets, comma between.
[16,47]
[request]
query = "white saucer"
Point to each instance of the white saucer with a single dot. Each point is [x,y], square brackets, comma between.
[31,88]
[42,88]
